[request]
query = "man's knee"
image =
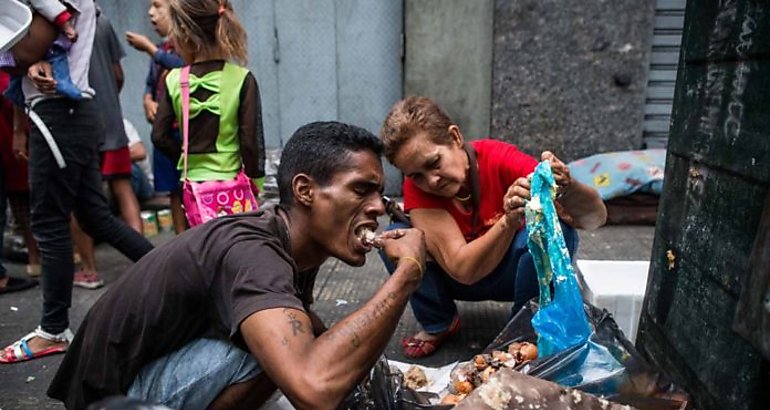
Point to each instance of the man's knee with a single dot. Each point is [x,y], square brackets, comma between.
[195,375]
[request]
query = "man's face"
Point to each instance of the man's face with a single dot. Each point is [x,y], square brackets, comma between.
[350,202]
[158,13]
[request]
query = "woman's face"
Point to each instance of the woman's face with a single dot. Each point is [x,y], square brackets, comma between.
[437,169]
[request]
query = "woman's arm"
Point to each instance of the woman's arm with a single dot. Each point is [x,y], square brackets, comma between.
[469,262]
[582,202]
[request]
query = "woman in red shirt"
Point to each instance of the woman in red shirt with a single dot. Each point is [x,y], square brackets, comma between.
[469,200]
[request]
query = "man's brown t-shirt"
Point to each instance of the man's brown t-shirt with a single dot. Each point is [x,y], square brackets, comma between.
[203,283]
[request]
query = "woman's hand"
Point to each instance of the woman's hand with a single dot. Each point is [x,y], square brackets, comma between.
[560,172]
[514,200]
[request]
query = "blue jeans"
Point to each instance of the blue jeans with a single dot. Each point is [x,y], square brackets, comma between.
[56,193]
[513,280]
[193,376]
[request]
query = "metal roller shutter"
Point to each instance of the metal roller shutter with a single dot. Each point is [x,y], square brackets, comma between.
[667,38]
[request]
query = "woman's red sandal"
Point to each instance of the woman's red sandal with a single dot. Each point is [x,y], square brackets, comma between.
[417,348]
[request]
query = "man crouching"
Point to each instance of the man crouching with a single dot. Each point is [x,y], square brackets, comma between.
[220,316]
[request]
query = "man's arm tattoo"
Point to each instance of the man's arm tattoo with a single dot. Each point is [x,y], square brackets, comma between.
[352,330]
[296,326]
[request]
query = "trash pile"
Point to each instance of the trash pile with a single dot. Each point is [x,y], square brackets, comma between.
[557,353]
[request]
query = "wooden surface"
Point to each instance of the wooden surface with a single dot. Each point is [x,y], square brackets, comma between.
[717,177]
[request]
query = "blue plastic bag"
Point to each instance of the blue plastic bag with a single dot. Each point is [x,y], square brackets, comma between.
[560,322]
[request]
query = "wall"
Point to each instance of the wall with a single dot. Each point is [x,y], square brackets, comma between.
[717,184]
[449,56]
[570,75]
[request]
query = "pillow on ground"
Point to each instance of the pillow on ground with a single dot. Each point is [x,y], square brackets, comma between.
[617,174]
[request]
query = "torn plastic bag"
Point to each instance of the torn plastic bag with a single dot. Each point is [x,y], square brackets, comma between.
[637,383]
[383,389]
[561,322]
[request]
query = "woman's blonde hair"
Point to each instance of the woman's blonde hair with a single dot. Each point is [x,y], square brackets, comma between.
[208,26]
[411,116]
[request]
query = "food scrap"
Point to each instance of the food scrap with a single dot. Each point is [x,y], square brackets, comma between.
[368,237]
[470,375]
[415,378]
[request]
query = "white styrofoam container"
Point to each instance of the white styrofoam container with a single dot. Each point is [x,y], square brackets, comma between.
[617,286]
[15,19]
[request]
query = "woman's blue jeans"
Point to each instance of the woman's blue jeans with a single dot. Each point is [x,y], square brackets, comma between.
[513,280]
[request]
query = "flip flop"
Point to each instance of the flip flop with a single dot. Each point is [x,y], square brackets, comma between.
[20,351]
[17,284]
[417,348]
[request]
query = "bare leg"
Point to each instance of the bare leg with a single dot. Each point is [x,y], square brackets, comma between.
[85,246]
[250,394]
[177,213]
[127,202]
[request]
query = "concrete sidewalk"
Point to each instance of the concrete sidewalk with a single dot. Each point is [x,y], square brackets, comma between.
[340,289]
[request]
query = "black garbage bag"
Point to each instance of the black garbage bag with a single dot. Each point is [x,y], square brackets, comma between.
[635,382]
[383,389]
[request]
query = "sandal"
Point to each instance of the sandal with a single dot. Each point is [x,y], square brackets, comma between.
[417,348]
[16,284]
[20,351]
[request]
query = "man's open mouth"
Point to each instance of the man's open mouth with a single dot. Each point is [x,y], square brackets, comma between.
[366,234]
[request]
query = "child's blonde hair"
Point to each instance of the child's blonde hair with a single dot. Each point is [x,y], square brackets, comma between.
[208,26]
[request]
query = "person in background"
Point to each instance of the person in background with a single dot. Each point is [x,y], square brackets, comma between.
[106,77]
[60,15]
[226,308]
[64,178]
[163,57]
[141,171]
[225,110]
[14,189]
[468,198]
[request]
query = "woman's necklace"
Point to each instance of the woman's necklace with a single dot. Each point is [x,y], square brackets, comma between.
[463,198]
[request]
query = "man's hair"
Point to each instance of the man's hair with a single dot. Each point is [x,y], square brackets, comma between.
[411,116]
[320,150]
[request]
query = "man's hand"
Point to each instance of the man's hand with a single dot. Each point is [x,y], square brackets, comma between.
[150,109]
[42,77]
[141,43]
[560,172]
[405,246]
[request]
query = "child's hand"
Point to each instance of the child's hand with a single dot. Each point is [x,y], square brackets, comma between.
[141,43]
[69,31]
[150,109]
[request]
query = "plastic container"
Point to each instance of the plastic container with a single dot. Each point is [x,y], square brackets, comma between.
[165,220]
[149,223]
[15,19]
[619,287]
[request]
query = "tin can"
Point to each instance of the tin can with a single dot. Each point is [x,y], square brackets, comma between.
[165,221]
[149,223]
